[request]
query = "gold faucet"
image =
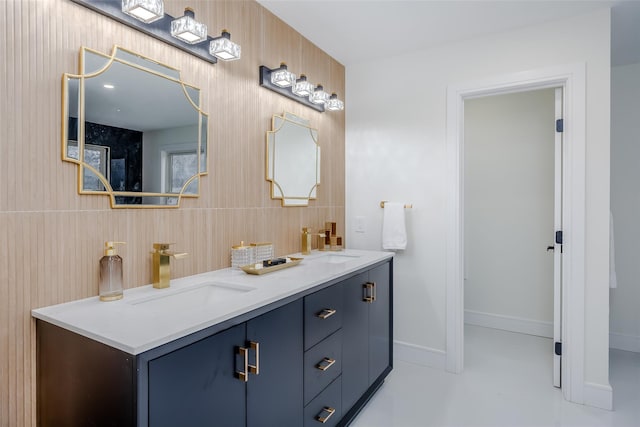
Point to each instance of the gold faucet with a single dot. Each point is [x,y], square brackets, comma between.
[161,257]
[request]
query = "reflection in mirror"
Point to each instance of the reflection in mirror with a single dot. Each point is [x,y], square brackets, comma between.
[135,128]
[71,101]
[293,160]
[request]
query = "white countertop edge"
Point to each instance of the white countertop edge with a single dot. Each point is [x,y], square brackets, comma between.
[69,315]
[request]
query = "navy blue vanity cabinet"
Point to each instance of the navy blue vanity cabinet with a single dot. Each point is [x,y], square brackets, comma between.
[355,357]
[312,359]
[197,384]
[82,382]
[326,409]
[274,396]
[380,343]
[203,384]
[323,317]
[323,312]
[367,355]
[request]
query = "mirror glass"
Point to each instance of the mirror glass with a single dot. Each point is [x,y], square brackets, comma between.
[293,160]
[135,129]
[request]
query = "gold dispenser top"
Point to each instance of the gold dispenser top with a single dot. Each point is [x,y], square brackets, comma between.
[110,249]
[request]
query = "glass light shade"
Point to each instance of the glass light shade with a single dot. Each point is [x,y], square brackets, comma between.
[302,87]
[282,77]
[334,104]
[187,29]
[146,11]
[319,96]
[222,47]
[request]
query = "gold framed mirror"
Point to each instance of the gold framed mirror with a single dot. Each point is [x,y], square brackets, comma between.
[293,160]
[135,130]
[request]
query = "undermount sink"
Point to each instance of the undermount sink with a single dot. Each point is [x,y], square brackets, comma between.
[337,258]
[193,297]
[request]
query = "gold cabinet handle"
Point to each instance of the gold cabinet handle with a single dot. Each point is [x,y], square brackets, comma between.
[368,292]
[375,291]
[326,313]
[324,418]
[244,375]
[254,369]
[325,363]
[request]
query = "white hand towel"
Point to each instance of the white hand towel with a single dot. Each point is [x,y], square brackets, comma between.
[394,233]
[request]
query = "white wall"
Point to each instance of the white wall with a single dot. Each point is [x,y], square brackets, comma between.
[508,210]
[625,205]
[395,150]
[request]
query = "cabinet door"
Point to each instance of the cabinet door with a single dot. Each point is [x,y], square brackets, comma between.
[274,396]
[380,355]
[355,335]
[197,386]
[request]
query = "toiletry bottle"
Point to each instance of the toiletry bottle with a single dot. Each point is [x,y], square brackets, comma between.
[110,273]
[306,241]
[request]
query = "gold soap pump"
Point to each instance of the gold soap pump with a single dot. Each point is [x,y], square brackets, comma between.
[111,273]
[306,241]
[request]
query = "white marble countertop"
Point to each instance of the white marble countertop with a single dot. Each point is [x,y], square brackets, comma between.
[146,318]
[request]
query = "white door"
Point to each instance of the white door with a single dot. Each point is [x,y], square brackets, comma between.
[557,244]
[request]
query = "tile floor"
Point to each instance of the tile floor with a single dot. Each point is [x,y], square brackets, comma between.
[506,382]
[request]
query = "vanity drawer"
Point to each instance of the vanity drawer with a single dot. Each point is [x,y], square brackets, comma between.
[322,314]
[326,409]
[322,364]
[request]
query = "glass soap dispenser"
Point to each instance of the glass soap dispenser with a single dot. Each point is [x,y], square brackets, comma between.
[111,273]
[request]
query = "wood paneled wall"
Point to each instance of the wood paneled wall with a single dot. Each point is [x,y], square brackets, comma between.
[51,238]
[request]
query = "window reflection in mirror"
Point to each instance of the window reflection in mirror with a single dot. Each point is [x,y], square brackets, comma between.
[135,129]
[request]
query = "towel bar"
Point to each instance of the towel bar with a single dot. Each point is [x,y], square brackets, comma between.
[406,206]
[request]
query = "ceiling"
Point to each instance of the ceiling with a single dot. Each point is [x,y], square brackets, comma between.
[353,31]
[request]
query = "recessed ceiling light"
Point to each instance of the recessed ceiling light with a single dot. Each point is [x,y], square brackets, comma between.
[108,86]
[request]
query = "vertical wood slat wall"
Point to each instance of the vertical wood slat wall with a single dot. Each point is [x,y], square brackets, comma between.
[51,238]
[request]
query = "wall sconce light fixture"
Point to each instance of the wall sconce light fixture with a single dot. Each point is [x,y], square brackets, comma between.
[300,90]
[185,33]
[223,48]
[187,29]
[302,87]
[319,96]
[334,104]
[282,77]
[146,11]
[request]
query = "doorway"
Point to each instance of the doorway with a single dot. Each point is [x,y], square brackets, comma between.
[571,78]
[510,214]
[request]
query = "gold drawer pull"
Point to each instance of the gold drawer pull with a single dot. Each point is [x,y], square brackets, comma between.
[244,375]
[325,363]
[326,313]
[255,369]
[324,418]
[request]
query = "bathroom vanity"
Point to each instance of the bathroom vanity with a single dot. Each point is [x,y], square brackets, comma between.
[303,346]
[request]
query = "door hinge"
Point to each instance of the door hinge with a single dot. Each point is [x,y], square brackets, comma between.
[559,237]
[560,125]
[558,349]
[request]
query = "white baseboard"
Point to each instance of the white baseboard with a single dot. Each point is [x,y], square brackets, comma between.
[624,342]
[419,355]
[598,395]
[509,323]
